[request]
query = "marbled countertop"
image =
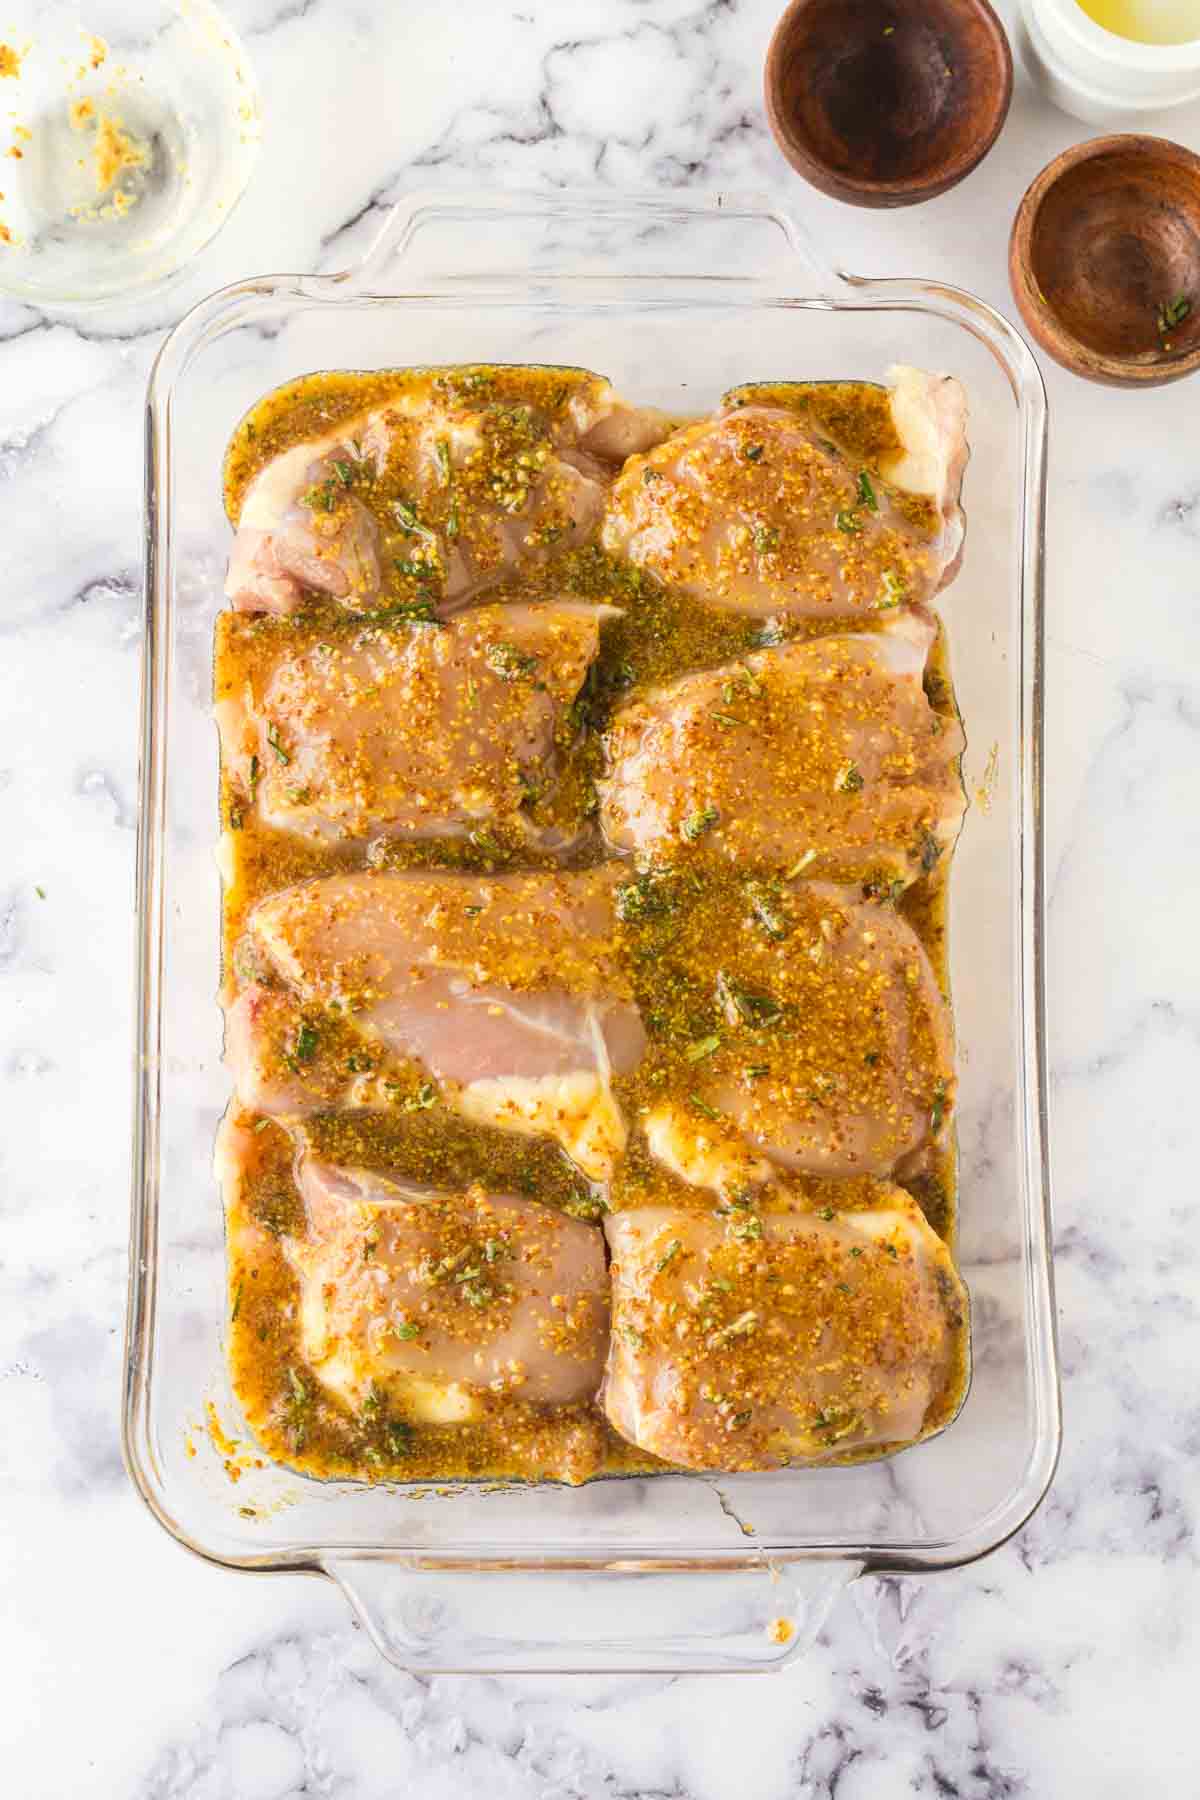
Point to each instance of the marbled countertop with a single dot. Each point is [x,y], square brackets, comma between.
[1065,1664]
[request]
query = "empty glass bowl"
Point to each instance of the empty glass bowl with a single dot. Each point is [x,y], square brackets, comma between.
[128,131]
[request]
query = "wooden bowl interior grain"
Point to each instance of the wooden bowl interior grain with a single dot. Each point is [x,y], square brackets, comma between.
[1114,247]
[901,94]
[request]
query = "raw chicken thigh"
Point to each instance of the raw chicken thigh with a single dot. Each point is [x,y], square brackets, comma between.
[506,989]
[830,1052]
[488,485]
[440,1299]
[813,1334]
[755,510]
[525,623]
[863,774]
[413,1308]
[413,732]
[302,527]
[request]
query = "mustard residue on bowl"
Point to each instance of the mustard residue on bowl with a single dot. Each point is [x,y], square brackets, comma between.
[113,153]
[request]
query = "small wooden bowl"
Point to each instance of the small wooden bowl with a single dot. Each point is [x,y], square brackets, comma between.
[1104,260]
[887,102]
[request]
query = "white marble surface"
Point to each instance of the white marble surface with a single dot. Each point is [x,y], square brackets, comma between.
[1063,1665]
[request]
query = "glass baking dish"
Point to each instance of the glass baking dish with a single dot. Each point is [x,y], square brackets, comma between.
[674,300]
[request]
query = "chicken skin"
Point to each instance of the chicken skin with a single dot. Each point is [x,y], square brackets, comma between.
[748,1341]
[440,1299]
[864,774]
[756,511]
[488,486]
[412,731]
[824,1048]
[505,990]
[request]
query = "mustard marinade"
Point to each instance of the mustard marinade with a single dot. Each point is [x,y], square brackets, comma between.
[665,919]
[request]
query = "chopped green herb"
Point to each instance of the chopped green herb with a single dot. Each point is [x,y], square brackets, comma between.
[765,539]
[319,499]
[848,779]
[727,719]
[261,1124]
[419,1101]
[748,1227]
[892,1251]
[938,1110]
[237,1303]
[344,473]
[413,612]
[273,740]
[931,850]
[297,1411]
[645,897]
[802,863]
[508,662]
[673,1249]
[442,452]
[650,475]
[774,922]
[699,822]
[893,590]
[848,522]
[1173,312]
[633,1337]
[866,493]
[483,841]
[406,1331]
[826,1212]
[753,1071]
[754,452]
[755,1010]
[703,1047]
[255,772]
[399,1435]
[304,1047]
[41,892]
[702,1106]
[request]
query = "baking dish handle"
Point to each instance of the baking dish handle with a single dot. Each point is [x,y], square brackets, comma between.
[438,1620]
[518,236]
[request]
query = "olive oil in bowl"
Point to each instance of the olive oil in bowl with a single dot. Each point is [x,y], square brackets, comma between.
[1147,21]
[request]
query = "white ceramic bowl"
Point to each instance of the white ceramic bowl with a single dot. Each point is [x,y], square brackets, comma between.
[1094,74]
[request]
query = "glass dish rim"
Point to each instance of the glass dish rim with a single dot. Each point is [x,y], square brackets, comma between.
[832,289]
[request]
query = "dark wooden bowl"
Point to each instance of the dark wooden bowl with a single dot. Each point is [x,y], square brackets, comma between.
[887,102]
[1104,260]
